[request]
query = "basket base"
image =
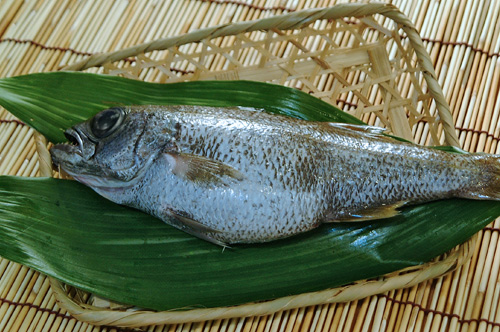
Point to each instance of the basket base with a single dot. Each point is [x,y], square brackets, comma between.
[116,315]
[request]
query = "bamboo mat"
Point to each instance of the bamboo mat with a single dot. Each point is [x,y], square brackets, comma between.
[463,40]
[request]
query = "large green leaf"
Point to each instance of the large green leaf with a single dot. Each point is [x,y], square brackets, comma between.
[67,231]
[53,102]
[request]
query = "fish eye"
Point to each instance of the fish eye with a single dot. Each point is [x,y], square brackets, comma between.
[106,122]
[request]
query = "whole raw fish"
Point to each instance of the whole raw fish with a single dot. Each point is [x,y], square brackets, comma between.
[232,175]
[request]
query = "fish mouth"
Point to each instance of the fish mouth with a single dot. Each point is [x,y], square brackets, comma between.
[74,138]
[78,147]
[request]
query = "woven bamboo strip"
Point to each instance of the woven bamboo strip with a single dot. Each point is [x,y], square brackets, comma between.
[349,322]
[461,59]
[41,290]
[422,296]
[469,287]
[404,321]
[399,320]
[22,28]
[336,313]
[489,299]
[477,297]
[29,58]
[494,315]
[7,12]
[488,95]
[490,126]
[20,67]
[340,313]
[44,319]
[53,36]
[307,323]
[386,308]
[139,25]
[329,319]
[379,324]
[439,299]
[7,46]
[14,271]
[442,320]
[425,297]
[11,148]
[23,292]
[6,134]
[127,25]
[457,305]
[367,323]
[76,41]
[17,152]
[432,30]
[40,16]
[483,106]
[469,97]
[88,37]
[155,31]
[442,57]
[51,59]
[480,84]
[22,159]
[491,144]
[448,81]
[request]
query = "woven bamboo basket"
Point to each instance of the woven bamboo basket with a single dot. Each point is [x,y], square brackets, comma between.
[367,59]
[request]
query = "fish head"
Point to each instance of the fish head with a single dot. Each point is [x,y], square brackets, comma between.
[111,150]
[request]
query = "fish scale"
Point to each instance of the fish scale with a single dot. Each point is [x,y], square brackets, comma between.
[231,175]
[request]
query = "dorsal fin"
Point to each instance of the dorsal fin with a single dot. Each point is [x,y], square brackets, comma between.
[362,128]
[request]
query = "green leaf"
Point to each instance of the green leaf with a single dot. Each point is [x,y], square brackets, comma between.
[53,102]
[65,230]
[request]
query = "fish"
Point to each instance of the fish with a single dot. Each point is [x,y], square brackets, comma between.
[233,175]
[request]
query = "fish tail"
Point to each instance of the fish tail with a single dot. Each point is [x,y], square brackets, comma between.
[487,183]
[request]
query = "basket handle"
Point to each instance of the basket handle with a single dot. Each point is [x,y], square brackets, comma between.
[297,20]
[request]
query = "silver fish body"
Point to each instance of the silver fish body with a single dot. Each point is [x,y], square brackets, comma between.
[232,175]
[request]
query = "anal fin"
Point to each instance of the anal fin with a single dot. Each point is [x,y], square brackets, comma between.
[379,212]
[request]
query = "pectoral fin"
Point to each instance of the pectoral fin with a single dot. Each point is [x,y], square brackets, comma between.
[380,212]
[202,170]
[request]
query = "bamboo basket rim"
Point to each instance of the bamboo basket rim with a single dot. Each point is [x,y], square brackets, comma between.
[399,279]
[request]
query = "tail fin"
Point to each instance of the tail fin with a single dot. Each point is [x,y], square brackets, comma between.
[487,185]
